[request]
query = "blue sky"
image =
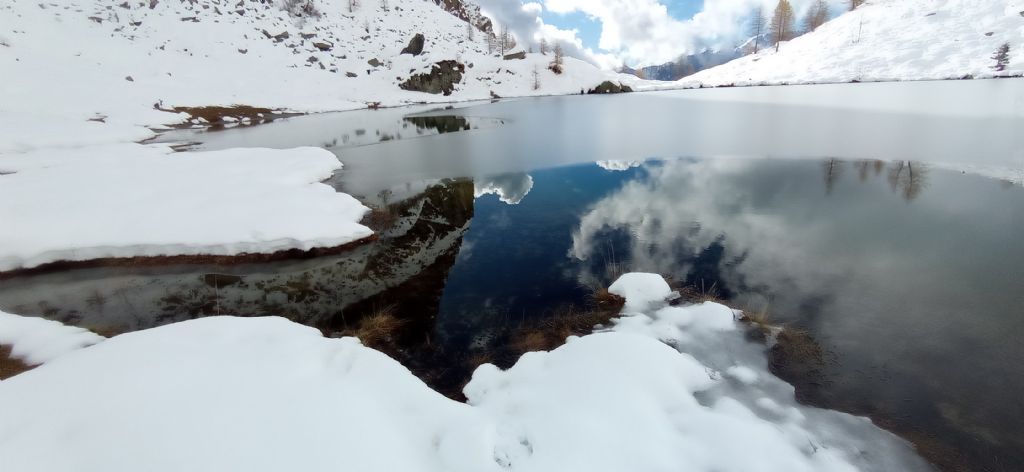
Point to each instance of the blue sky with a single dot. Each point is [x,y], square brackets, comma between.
[590,29]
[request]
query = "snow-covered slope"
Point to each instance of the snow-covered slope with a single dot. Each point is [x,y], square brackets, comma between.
[665,388]
[115,59]
[888,40]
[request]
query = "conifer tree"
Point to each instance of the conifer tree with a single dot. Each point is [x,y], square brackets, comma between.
[1002,57]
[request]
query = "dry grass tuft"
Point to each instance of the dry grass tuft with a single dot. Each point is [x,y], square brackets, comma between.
[378,329]
[702,293]
[549,333]
[605,300]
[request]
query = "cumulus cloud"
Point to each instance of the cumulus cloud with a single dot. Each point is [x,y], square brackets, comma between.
[637,32]
[523,20]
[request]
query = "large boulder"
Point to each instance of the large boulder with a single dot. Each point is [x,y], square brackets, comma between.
[517,55]
[441,79]
[610,87]
[415,46]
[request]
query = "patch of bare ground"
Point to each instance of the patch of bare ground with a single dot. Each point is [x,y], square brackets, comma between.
[217,116]
[10,366]
[150,261]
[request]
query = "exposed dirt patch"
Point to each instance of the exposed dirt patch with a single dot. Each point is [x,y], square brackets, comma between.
[218,117]
[9,366]
[143,261]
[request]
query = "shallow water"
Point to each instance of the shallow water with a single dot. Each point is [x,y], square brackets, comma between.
[853,222]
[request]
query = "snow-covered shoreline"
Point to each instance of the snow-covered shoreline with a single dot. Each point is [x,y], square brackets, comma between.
[128,200]
[662,388]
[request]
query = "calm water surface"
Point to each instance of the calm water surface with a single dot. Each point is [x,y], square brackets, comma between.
[844,211]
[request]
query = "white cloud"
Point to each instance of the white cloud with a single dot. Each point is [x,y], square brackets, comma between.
[524,21]
[638,32]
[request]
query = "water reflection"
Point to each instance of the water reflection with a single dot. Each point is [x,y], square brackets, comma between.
[510,188]
[919,305]
[416,250]
[909,277]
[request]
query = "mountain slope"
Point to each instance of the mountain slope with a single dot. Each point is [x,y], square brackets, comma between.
[888,40]
[112,60]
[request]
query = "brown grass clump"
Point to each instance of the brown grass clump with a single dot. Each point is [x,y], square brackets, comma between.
[549,333]
[10,366]
[605,300]
[702,293]
[378,329]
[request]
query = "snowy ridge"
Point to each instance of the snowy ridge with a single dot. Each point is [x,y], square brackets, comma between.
[665,388]
[886,40]
[212,203]
[36,340]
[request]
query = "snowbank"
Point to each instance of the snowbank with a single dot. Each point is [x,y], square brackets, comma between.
[36,340]
[125,200]
[266,394]
[885,40]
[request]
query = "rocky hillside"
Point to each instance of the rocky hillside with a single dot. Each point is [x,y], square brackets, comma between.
[126,62]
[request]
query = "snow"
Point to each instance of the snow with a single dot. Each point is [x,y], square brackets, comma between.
[36,340]
[885,40]
[124,200]
[616,166]
[84,79]
[62,65]
[266,394]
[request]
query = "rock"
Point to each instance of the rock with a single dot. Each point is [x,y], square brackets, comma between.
[518,55]
[307,35]
[221,280]
[610,87]
[312,59]
[351,74]
[990,33]
[495,96]
[374,62]
[415,46]
[243,51]
[442,78]
[129,78]
[323,46]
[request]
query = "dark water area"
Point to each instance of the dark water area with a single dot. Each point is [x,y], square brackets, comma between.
[904,267]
